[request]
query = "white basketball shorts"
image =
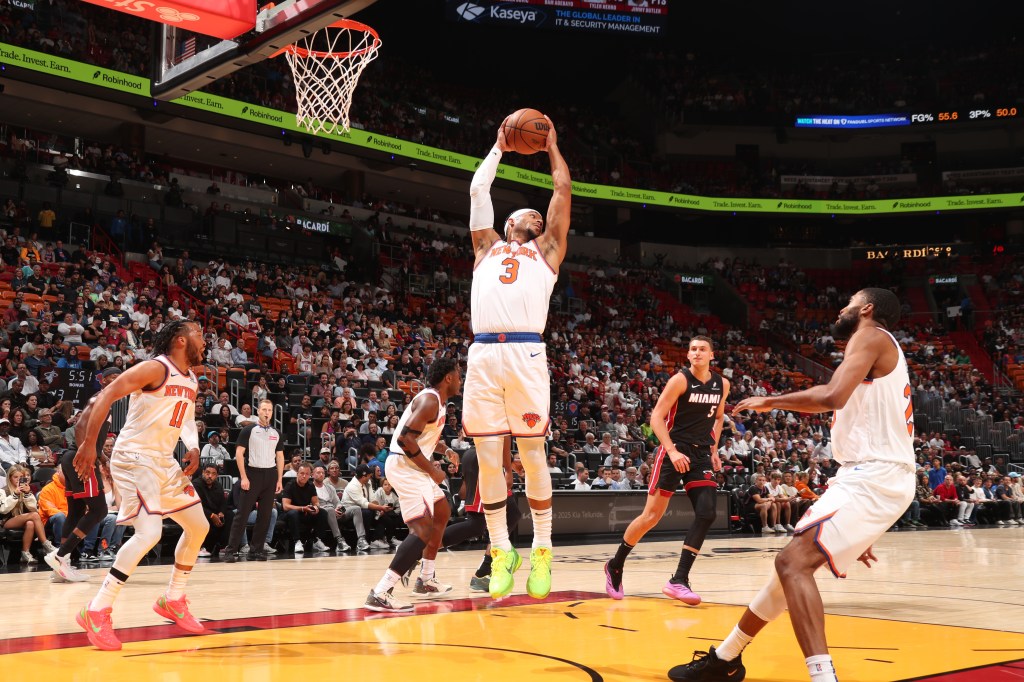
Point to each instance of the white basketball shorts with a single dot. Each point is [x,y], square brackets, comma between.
[862,502]
[507,390]
[417,492]
[156,484]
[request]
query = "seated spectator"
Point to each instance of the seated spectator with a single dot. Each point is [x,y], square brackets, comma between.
[38,454]
[245,416]
[779,494]
[330,503]
[553,467]
[12,450]
[53,506]
[19,509]
[214,453]
[763,504]
[302,513]
[949,500]
[334,477]
[390,520]
[582,481]
[220,516]
[50,436]
[291,469]
[360,509]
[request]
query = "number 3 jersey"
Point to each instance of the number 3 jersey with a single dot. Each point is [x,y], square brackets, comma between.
[155,417]
[877,422]
[511,289]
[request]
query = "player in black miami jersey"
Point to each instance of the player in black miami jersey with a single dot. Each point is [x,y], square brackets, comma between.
[687,421]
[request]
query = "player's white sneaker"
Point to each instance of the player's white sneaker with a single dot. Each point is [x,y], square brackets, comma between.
[62,567]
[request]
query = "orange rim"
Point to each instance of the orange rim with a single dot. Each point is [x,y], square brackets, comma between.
[342,23]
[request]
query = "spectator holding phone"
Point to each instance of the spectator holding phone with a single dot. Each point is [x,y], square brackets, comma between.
[18,509]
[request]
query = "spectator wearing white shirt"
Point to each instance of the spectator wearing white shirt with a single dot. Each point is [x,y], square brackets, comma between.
[605,448]
[71,330]
[360,509]
[239,317]
[246,417]
[174,312]
[327,498]
[779,494]
[582,481]
[214,451]
[221,352]
[12,450]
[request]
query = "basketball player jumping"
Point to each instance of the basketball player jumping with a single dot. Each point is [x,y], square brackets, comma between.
[151,483]
[872,437]
[414,477]
[687,421]
[508,389]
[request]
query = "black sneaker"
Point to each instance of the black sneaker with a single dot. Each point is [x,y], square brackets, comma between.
[707,667]
[230,556]
[88,558]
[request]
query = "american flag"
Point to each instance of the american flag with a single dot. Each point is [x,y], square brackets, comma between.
[188,48]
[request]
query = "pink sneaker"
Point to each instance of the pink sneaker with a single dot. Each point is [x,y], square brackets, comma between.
[681,592]
[609,584]
[178,612]
[98,628]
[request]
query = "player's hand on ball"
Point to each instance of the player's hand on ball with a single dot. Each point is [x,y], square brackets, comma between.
[680,461]
[502,143]
[552,138]
[753,405]
[867,557]
[191,462]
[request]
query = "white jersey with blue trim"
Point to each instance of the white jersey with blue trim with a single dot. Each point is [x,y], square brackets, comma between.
[877,422]
[512,287]
[427,440]
[154,421]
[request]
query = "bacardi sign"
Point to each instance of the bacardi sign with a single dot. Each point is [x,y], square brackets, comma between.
[225,19]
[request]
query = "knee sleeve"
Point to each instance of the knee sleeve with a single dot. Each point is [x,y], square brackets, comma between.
[770,602]
[194,528]
[407,554]
[535,462]
[492,479]
[703,499]
[148,529]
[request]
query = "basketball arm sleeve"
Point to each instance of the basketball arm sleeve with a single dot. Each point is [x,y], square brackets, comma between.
[189,433]
[481,210]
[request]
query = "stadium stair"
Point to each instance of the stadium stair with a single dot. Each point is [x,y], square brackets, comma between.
[968,343]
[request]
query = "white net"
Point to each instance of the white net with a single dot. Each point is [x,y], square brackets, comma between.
[326,66]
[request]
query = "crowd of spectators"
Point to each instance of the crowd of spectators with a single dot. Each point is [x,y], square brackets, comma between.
[599,146]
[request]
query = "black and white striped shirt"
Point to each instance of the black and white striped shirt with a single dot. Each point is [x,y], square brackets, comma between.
[261,443]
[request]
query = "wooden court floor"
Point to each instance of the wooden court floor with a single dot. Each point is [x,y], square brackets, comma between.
[940,605]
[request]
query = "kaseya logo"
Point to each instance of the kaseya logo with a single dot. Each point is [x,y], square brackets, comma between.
[469,11]
[531,419]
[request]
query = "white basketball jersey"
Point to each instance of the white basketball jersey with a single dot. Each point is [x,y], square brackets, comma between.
[877,422]
[155,417]
[431,432]
[511,289]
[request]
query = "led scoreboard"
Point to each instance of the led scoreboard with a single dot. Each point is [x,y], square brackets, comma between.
[635,17]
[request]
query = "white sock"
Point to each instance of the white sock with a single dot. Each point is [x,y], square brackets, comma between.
[389,580]
[733,645]
[176,588]
[427,569]
[109,590]
[541,528]
[821,668]
[497,528]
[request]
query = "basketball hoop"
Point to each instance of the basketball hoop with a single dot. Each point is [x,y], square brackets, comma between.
[326,66]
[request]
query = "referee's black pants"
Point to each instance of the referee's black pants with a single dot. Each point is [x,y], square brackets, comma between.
[262,487]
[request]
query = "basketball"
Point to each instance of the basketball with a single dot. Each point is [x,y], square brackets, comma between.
[527,131]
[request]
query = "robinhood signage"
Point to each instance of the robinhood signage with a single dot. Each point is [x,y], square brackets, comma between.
[66,68]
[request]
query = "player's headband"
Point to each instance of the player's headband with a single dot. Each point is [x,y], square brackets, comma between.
[514,215]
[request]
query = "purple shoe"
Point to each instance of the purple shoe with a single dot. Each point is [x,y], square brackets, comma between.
[681,592]
[609,585]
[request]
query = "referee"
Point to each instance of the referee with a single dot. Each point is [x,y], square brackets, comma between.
[260,456]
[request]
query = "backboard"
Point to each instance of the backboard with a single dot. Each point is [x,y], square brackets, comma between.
[187,61]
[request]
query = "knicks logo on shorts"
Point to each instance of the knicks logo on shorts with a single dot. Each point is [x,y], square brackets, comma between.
[190,491]
[531,419]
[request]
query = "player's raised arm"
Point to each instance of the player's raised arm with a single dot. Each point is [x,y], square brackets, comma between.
[149,373]
[555,239]
[481,209]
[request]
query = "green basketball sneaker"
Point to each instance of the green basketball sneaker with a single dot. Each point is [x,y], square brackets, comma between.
[503,565]
[538,585]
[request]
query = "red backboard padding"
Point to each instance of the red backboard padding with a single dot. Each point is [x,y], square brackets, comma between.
[219,18]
